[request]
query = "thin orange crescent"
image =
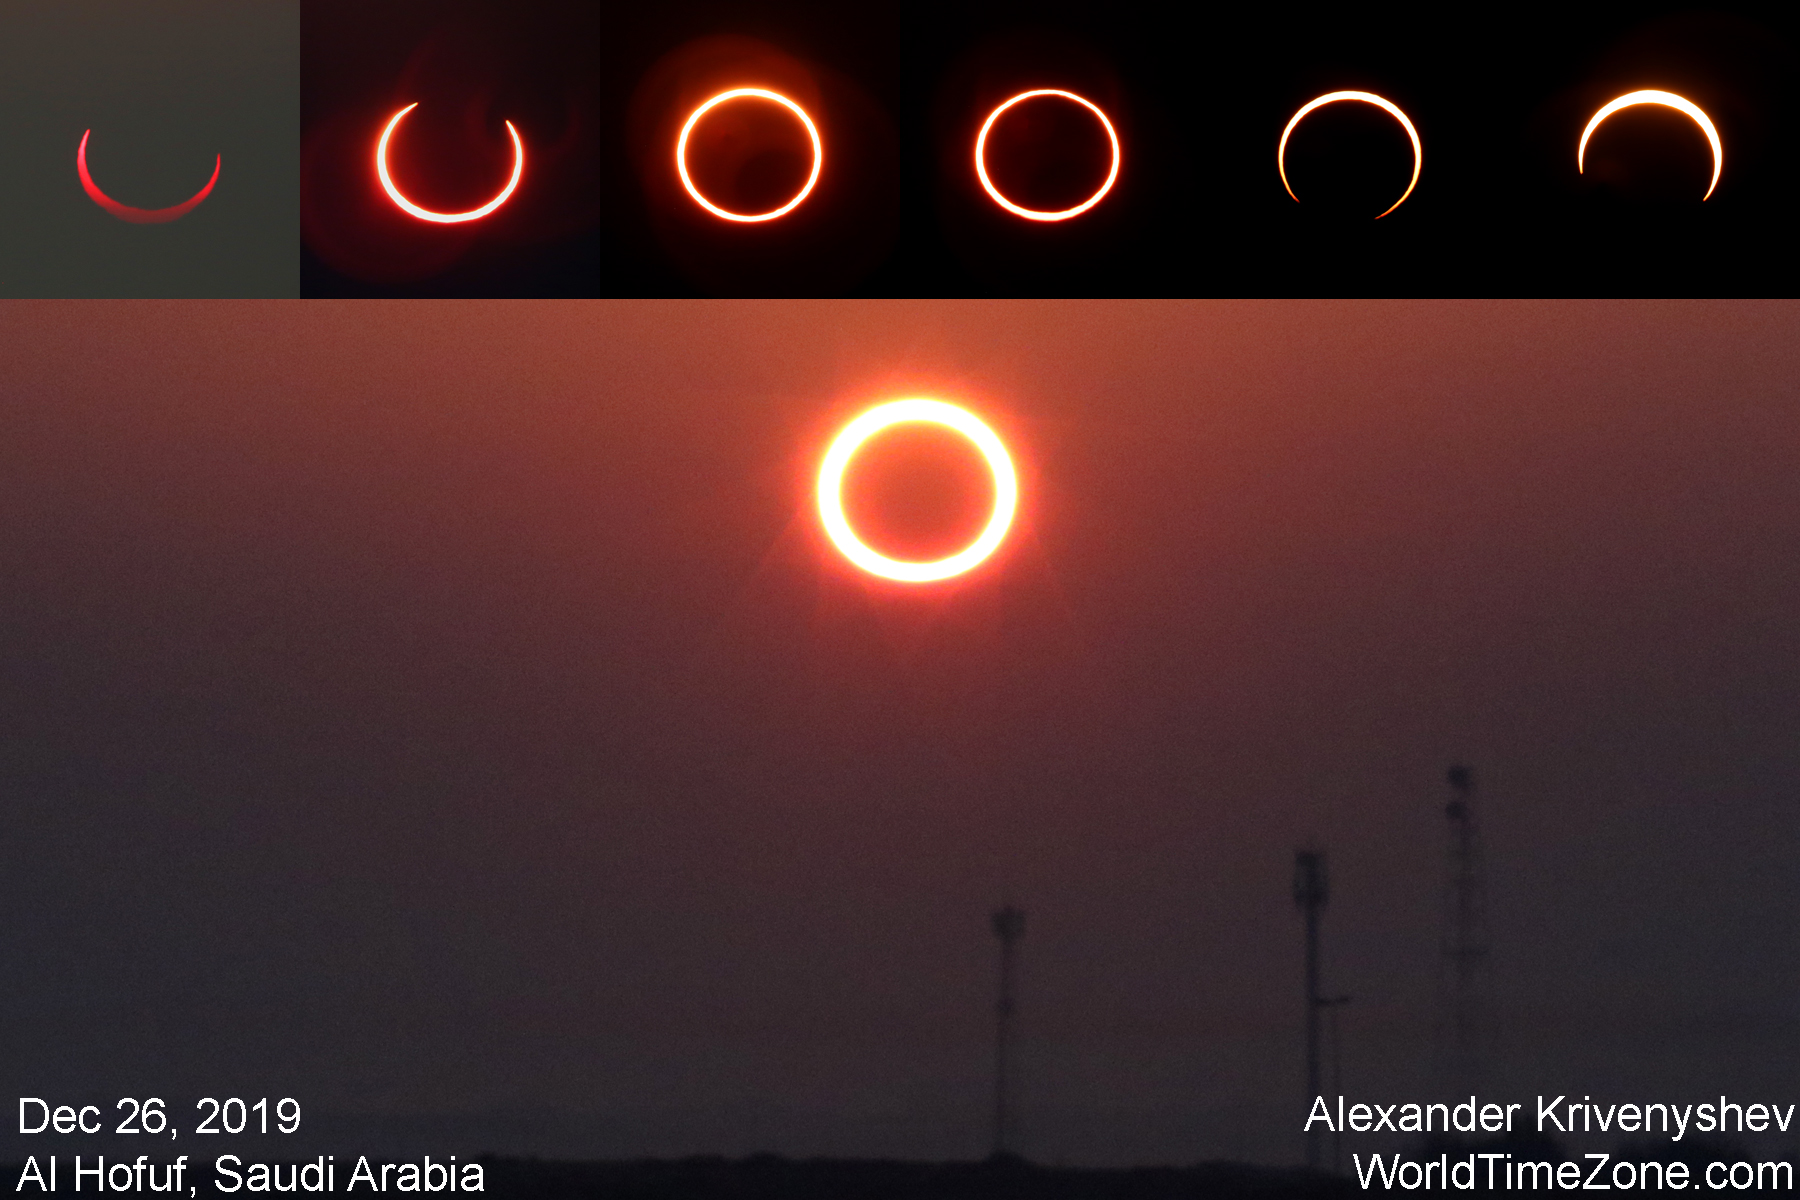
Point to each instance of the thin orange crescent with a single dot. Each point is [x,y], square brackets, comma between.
[1033,214]
[425,214]
[1668,100]
[837,461]
[1386,106]
[756,93]
[138,216]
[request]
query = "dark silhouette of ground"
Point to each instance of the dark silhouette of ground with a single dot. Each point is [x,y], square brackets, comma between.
[767,1177]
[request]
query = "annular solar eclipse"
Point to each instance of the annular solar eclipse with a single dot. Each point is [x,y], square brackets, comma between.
[443,218]
[1032,214]
[843,450]
[712,161]
[738,95]
[138,216]
[1668,100]
[1386,106]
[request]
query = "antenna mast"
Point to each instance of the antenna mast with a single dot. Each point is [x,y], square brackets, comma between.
[1009,927]
[1465,937]
[1310,893]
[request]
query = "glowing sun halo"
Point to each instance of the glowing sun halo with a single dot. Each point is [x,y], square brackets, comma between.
[1032,214]
[425,214]
[1668,100]
[844,447]
[754,93]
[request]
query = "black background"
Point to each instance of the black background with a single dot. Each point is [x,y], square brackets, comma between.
[1200,94]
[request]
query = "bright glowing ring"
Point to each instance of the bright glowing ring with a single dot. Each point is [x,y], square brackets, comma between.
[1032,214]
[812,131]
[1386,106]
[425,214]
[1669,100]
[138,216]
[837,460]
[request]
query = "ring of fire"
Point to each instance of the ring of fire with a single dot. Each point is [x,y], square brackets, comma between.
[425,214]
[837,461]
[1032,214]
[1668,100]
[1386,106]
[812,132]
[138,216]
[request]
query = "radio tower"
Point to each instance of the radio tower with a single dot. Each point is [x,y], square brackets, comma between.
[1465,941]
[1009,927]
[1310,893]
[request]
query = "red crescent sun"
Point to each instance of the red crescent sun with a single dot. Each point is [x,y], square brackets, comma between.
[138,216]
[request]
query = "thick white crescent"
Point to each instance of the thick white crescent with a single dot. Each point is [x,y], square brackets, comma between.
[1386,106]
[425,214]
[1668,100]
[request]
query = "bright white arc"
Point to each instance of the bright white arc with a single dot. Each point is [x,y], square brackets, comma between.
[837,461]
[1384,105]
[1032,214]
[812,131]
[425,214]
[1670,100]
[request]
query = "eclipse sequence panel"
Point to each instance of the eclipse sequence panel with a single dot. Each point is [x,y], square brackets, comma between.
[561,148]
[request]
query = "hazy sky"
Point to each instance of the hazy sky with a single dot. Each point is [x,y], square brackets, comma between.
[453,713]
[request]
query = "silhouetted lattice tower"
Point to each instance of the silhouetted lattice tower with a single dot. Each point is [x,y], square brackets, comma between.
[1310,893]
[1009,926]
[1464,1048]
